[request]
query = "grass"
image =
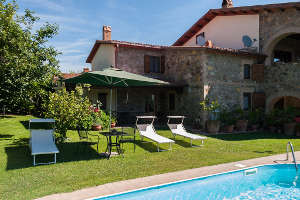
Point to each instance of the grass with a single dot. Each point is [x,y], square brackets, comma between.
[74,170]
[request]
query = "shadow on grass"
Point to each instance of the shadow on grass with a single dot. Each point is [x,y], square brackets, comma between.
[250,136]
[5,136]
[183,143]
[19,154]
[149,146]
[6,116]
[270,152]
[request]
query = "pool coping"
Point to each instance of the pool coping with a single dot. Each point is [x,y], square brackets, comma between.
[120,187]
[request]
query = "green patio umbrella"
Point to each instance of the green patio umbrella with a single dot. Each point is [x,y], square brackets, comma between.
[112,77]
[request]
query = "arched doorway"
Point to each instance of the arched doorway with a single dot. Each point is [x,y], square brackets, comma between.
[287,49]
[284,46]
[285,102]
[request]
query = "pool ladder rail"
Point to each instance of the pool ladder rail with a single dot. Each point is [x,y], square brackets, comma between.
[290,145]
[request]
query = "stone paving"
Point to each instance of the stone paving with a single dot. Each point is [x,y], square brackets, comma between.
[138,183]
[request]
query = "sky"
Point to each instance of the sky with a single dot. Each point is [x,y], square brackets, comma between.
[80,22]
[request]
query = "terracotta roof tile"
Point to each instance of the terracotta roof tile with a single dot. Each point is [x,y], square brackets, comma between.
[69,75]
[140,45]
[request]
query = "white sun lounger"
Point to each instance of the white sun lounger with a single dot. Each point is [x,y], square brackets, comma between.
[42,141]
[178,129]
[147,130]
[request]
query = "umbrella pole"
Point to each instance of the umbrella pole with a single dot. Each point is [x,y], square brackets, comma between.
[110,109]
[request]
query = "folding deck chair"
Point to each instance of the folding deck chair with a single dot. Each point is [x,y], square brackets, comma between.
[147,130]
[42,141]
[178,129]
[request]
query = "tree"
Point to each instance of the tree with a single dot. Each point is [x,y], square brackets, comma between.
[70,110]
[27,64]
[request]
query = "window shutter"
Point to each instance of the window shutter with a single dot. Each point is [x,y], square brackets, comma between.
[147,64]
[162,64]
[258,72]
[259,100]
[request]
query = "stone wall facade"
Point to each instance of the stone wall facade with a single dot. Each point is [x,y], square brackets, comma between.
[281,79]
[186,67]
[224,80]
[132,60]
[200,73]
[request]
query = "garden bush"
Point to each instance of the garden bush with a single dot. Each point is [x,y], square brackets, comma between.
[70,110]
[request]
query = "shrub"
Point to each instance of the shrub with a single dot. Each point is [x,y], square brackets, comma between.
[241,114]
[256,117]
[227,117]
[70,110]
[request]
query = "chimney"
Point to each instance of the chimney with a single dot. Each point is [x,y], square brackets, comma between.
[86,69]
[227,4]
[106,33]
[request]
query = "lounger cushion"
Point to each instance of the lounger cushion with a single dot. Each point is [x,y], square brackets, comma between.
[152,135]
[42,142]
[181,131]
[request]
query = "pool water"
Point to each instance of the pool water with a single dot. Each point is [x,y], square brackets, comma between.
[265,182]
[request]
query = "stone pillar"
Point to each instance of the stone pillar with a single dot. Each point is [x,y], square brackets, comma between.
[227,4]
[106,33]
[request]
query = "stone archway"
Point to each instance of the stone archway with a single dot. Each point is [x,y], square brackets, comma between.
[287,98]
[272,42]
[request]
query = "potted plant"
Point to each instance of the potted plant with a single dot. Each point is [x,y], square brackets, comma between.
[270,122]
[228,120]
[255,119]
[97,124]
[212,109]
[242,122]
[113,122]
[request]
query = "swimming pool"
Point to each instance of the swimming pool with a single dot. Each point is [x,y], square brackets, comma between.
[264,182]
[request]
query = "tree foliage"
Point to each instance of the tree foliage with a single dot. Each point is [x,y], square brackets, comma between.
[70,110]
[27,64]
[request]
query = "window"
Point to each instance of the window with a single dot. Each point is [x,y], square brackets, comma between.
[247,71]
[171,101]
[200,39]
[247,101]
[102,99]
[282,56]
[155,64]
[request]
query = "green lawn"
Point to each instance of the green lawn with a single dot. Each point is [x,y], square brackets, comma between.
[20,180]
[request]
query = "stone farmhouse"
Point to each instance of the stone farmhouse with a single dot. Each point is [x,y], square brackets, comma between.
[246,56]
